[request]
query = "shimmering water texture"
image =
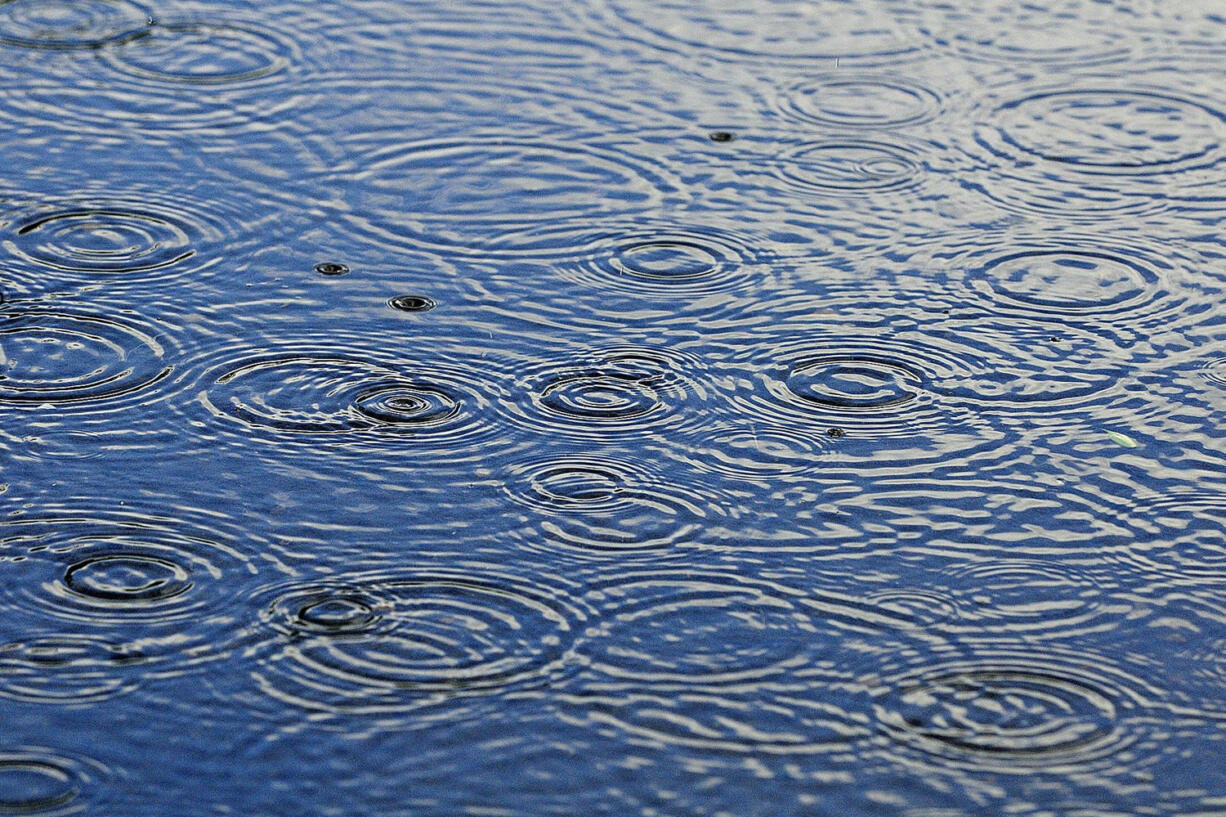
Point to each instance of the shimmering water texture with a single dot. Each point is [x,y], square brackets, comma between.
[687,408]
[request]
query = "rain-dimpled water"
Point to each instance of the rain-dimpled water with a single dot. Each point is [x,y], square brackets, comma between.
[684,408]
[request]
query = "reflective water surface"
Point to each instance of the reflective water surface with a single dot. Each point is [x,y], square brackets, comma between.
[613,407]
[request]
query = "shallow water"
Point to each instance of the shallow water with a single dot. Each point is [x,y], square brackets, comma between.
[612,407]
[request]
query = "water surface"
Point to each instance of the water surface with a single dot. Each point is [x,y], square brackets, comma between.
[676,408]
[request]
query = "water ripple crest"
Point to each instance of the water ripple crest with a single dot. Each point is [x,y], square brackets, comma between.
[1186,536]
[1099,151]
[657,260]
[68,669]
[388,644]
[849,166]
[850,99]
[456,194]
[77,361]
[779,29]
[1003,33]
[176,75]
[203,53]
[600,507]
[56,24]
[145,239]
[147,596]
[869,392]
[305,395]
[35,780]
[1018,711]
[620,390]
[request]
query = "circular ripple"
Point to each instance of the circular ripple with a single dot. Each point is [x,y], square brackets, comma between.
[860,100]
[459,195]
[1108,131]
[719,661]
[40,781]
[1016,34]
[788,29]
[127,578]
[1030,597]
[712,628]
[756,452]
[853,383]
[171,585]
[101,240]
[1012,363]
[1189,539]
[602,507]
[306,397]
[325,610]
[624,390]
[1066,281]
[409,640]
[665,260]
[147,238]
[864,388]
[184,75]
[697,629]
[65,24]
[808,719]
[357,396]
[899,398]
[66,669]
[73,360]
[849,166]
[1097,153]
[199,53]
[1015,712]
[916,608]
[1215,371]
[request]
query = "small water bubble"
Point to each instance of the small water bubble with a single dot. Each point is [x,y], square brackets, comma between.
[411,303]
[331,268]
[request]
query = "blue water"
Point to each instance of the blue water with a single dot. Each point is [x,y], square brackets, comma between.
[681,408]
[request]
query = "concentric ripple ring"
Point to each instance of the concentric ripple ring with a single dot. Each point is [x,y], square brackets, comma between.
[396,642]
[68,24]
[73,360]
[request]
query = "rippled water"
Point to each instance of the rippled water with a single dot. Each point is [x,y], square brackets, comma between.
[611,407]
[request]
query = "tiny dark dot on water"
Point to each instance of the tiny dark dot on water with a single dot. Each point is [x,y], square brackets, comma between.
[722,136]
[835,432]
[331,268]
[1054,339]
[411,303]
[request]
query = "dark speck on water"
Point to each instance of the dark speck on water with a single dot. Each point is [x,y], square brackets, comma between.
[872,464]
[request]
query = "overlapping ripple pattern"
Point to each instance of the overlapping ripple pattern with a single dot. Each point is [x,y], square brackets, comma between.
[691,407]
